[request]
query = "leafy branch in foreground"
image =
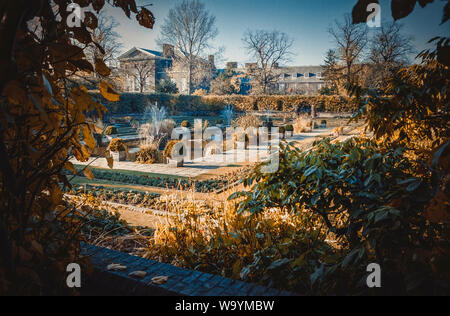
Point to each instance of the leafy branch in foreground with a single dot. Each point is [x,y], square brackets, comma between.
[43,121]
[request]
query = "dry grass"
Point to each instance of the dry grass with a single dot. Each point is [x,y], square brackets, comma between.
[149,154]
[302,124]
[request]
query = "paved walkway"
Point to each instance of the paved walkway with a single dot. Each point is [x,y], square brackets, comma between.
[203,165]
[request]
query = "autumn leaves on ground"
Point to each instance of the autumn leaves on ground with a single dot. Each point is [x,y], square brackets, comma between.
[377,194]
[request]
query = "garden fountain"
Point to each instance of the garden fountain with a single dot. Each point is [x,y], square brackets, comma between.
[154,118]
[228,113]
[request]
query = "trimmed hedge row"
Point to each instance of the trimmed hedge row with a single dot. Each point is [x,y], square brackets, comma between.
[286,103]
[137,102]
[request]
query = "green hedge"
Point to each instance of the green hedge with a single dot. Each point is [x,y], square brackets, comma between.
[136,103]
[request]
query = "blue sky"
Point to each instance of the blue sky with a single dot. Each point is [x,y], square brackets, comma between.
[306,21]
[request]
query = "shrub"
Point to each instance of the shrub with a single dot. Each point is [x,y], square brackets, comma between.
[148,154]
[186,124]
[289,128]
[338,131]
[200,92]
[246,121]
[301,125]
[169,148]
[282,130]
[134,123]
[135,103]
[111,130]
[166,86]
[375,208]
[117,144]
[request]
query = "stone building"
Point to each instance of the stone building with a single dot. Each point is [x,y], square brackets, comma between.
[303,80]
[142,69]
[290,80]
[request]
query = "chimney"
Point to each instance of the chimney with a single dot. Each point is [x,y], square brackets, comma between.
[168,51]
[211,60]
[232,65]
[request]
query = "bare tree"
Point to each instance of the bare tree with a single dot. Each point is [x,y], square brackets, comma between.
[270,48]
[390,49]
[105,36]
[141,72]
[351,41]
[190,27]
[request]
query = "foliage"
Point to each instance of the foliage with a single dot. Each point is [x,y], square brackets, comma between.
[186,124]
[302,125]
[328,91]
[272,249]
[111,130]
[167,86]
[200,92]
[121,196]
[247,121]
[289,128]
[117,144]
[135,103]
[371,200]
[416,113]
[332,74]
[204,186]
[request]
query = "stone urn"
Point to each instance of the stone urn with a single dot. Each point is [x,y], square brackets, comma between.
[173,163]
[119,155]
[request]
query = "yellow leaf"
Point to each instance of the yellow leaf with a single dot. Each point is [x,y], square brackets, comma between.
[88,139]
[37,247]
[160,280]
[56,194]
[88,174]
[69,166]
[110,161]
[116,267]
[138,274]
[107,92]
[101,68]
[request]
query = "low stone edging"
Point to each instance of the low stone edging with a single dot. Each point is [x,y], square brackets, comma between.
[181,282]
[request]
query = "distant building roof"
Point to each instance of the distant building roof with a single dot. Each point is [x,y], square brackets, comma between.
[153,52]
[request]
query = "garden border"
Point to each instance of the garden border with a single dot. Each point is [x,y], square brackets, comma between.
[181,282]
